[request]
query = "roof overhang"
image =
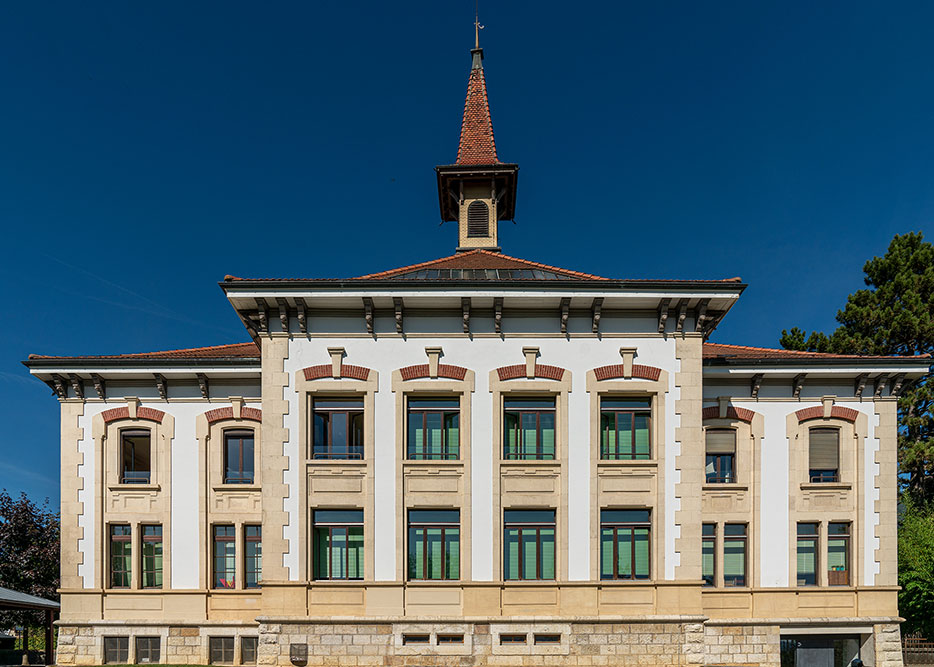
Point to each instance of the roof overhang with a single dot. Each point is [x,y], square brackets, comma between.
[871,367]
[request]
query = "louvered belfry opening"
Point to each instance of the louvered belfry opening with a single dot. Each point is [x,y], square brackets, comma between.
[478,220]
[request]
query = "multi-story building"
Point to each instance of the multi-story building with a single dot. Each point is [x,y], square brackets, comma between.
[478,460]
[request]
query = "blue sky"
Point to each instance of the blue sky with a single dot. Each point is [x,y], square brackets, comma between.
[146,148]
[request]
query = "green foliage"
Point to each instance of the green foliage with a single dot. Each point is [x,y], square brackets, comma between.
[916,567]
[895,315]
[29,554]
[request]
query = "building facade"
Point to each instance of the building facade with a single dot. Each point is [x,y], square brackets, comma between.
[478,460]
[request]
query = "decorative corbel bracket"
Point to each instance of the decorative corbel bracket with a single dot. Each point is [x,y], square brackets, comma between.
[283,308]
[881,382]
[465,310]
[498,314]
[756,384]
[565,313]
[99,386]
[301,312]
[77,385]
[897,383]
[204,386]
[397,305]
[701,316]
[798,384]
[368,314]
[663,314]
[161,385]
[682,315]
[860,385]
[595,309]
[59,386]
[263,313]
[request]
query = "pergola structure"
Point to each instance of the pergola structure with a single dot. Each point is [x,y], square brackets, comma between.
[14,600]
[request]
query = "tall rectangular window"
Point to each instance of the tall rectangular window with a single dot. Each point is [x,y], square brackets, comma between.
[625,427]
[151,570]
[120,556]
[808,541]
[135,453]
[225,557]
[838,554]
[434,544]
[625,544]
[434,429]
[248,646]
[338,544]
[116,650]
[147,650]
[252,556]
[734,554]
[221,650]
[721,456]
[709,554]
[528,544]
[824,454]
[238,457]
[338,428]
[529,429]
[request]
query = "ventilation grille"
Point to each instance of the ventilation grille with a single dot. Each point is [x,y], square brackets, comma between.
[478,220]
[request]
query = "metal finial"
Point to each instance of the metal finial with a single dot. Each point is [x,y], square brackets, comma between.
[476,25]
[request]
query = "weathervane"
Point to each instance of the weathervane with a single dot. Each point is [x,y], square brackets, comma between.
[476,24]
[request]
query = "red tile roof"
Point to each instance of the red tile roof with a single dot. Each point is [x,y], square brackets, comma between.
[477,145]
[234,351]
[743,352]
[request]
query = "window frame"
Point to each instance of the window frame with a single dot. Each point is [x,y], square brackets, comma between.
[355,451]
[536,527]
[130,432]
[616,412]
[224,539]
[143,570]
[718,474]
[824,475]
[253,641]
[126,538]
[123,650]
[744,539]
[222,639]
[240,434]
[444,412]
[424,526]
[847,538]
[631,526]
[521,453]
[148,642]
[705,540]
[252,564]
[330,526]
[815,537]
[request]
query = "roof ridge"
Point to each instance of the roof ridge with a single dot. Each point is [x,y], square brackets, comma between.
[812,354]
[147,354]
[417,265]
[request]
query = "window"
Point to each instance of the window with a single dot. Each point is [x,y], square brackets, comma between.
[248,650]
[135,457]
[450,639]
[529,429]
[221,650]
[434,544]
[151,569]
[808,540]
[624,544]
[624,428]
[547,639]
[721,456]
[734,554]
[838,554]
[415,639]
[225,557]
[147,650]
[513,639]
[252,556]
[709,554]
[528,544]
[478,220]
[238,457]
[338,429]
[120,556]
[116,650]
[434,431]
[338,544]
[824,454]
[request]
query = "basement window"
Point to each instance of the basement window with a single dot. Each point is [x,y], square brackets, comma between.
[548,639]
[450,639]
[415,639]
[513,639]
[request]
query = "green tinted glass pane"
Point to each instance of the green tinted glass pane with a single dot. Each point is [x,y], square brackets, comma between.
[434,434]
[435,549]
[529,554]
[355,552]
[452,554]
[254,563]
[624,516]
[510,435]
[320,553]
[511,554]
[807,561]
[608,446]
[416,553]
[707,560]
[548,552]
[611,403]
[642,436]
[452,433]
[541,403]
[606,553]
[642,553]
[152,564]
[338,553]
[836,554]
[338,516]
[624,424]
[734,561]
[416,435]
[434,516]
[548,434]
[529,439]
[433,403]
[624,566]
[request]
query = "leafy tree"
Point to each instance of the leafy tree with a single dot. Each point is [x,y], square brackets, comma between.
[916,567]
[895,315]
[29,554]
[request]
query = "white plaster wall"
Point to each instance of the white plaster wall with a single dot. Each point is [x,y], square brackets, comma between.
[481,355]
[186,535]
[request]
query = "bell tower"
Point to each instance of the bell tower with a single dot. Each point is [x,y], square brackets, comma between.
[478,190]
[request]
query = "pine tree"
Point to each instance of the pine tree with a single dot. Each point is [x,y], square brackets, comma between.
[895,315]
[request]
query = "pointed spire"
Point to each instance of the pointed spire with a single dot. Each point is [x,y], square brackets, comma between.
[477,145]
